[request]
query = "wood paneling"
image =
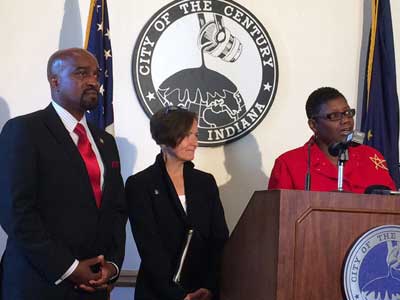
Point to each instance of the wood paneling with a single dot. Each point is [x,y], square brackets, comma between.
[292,244]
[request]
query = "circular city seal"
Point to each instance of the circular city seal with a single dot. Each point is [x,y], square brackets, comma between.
[210,57]
[372,269]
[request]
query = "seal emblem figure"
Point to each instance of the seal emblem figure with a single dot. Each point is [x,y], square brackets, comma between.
[372,269]
[212,57]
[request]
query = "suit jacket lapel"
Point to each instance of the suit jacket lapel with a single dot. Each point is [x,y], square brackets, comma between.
[161,174]
[101,146]
[62,136]
[189,184]
[57,128]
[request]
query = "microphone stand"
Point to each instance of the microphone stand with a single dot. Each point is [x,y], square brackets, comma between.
[340,149]
[342,158]
[307,185]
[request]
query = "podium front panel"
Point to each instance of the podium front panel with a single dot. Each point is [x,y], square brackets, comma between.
[293,244]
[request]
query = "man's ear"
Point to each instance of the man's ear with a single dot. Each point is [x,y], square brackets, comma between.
[313,125]
[54,82]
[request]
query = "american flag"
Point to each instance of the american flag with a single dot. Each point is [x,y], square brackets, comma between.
[98,42]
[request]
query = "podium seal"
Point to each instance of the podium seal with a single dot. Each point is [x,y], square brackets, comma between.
[372,268]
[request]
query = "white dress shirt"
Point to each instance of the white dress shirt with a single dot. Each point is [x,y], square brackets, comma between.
[182,198]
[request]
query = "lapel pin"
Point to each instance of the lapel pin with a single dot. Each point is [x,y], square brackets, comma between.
[101,141]
[156,192]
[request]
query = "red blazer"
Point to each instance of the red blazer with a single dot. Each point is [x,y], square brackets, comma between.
[365,167]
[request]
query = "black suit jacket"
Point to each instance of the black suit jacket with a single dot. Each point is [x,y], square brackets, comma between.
[159,225]
[48,209]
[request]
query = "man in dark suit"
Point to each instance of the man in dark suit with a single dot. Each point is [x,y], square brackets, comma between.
[62,201]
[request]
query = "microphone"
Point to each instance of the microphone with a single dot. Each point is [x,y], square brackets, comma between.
[377,190]
[380,190]
[354,137]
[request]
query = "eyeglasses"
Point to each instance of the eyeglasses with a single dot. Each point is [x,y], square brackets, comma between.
[338,115]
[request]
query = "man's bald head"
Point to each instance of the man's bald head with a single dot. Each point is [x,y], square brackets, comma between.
[57,60]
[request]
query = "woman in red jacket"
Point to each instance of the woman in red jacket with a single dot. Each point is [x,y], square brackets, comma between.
[331,120]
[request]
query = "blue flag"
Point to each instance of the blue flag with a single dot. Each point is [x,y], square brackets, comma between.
[98,42]
[380,119]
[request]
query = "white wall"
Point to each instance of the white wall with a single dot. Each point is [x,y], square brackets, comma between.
[318,43]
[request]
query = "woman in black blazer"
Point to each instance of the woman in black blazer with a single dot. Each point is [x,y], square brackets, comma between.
[167,201]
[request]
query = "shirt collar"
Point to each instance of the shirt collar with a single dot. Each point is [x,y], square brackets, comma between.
[68,120]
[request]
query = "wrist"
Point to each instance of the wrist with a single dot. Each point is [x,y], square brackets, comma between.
[113,271]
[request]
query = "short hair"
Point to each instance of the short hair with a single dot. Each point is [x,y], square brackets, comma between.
[319,97]
[171,124]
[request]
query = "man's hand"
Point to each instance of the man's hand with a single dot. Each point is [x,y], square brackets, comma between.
[83,273]
[200,294]
[107,271]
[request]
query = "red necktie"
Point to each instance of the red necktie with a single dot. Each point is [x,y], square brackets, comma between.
[92,165]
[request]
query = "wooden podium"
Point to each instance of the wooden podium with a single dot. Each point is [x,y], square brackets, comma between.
[291,245]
